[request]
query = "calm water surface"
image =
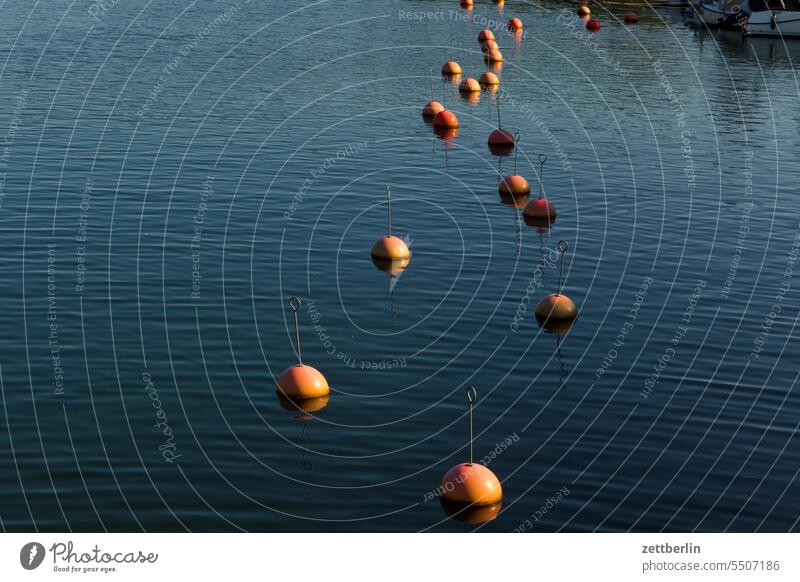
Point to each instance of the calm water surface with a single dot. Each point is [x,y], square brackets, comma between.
[173,172]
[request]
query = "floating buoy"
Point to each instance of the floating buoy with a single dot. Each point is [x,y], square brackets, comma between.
[514,185]
[469,85]
[451,68]
[390,247]
[583,10]
[517,202]
[501,138]
[514,24]
[489,45]
[540,208]
[300,381]
[593,25]
[488,80]
[556,310]
[445,120]
[485,34]
[432,107]
[466,3]
[631,18]
[493,56]
[471,483]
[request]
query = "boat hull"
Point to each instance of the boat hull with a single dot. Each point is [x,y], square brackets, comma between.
[765,23]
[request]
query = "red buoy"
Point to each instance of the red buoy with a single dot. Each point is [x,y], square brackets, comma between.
[514,24]
[445,120]
[540,208]
[501,138]
[485,34]
[593,25]
[631,18]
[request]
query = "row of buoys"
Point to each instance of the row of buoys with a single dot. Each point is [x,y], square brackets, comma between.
[470,491]
[593,24]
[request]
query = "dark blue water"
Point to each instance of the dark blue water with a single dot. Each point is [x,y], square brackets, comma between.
[173,172]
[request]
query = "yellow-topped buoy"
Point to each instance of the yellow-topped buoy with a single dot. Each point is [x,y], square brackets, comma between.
[489,80]
[471,483]
[301,381]
[555,311]
[451,68]
[583,10]
[390,247]
[469,85]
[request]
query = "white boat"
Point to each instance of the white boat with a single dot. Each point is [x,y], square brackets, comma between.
[718,14]
[781,23]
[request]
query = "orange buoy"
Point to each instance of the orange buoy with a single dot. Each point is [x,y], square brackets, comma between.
[631,18]
[469,85]
[471,483]
[556,310]
[489,79]
[485,34]
[390,247]
[593,25]
[489,45]
[451,68]
[514,185]
[583,10]
[514,24]
[431,109]
[445,119]
[493,56]
[466,3]
[301,381]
